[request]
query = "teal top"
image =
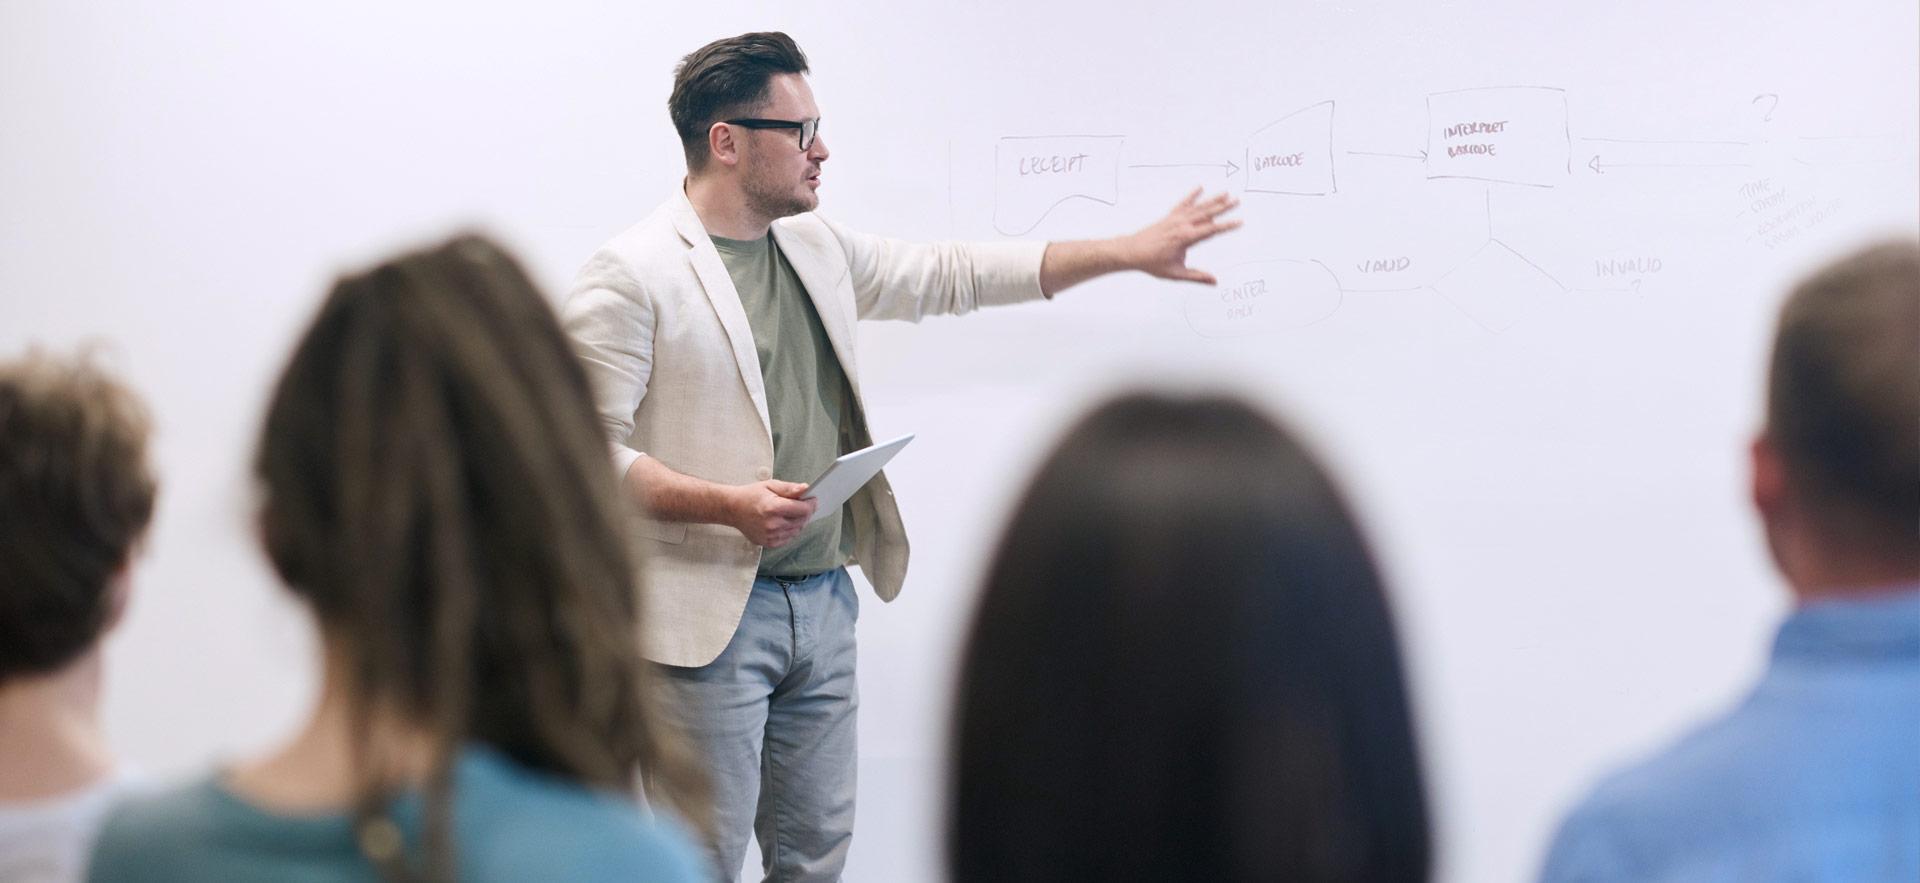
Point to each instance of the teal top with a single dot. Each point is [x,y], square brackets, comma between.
[809,402]
[509,823]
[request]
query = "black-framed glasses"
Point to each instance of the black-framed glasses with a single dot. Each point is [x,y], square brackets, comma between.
[808,128]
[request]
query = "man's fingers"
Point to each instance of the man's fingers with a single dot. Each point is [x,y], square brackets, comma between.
[1188,274]
[781,532]
[789,489]
[788,510]
[1205,230]
[1212,205]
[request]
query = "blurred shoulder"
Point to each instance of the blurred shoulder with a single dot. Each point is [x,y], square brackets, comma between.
[521,824]
[145,832]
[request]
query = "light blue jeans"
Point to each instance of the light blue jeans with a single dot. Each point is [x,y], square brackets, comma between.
[774,718]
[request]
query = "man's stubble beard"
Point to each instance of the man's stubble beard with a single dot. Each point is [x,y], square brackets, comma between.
[769,200]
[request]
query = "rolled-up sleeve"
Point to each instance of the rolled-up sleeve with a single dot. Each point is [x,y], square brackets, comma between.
[610,321]
[896,279]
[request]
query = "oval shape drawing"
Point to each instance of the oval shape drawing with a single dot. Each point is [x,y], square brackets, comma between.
[1263,296]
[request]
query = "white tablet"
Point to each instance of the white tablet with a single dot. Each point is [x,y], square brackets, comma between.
[848,474]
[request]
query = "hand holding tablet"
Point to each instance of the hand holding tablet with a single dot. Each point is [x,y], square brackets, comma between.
[846,475]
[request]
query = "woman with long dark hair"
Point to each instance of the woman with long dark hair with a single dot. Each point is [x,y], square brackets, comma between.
[1184,668]
[434,489]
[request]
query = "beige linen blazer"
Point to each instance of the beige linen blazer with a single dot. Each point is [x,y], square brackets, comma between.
[676,376]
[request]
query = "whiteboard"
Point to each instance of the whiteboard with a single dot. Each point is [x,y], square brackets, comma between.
[1510,266]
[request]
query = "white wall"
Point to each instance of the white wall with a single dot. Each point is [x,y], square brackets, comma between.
[1553,470]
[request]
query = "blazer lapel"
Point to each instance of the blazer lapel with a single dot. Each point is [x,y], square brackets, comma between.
[726,303]
[823,287]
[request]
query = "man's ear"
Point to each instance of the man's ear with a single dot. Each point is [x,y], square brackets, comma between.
[721,145]
[1769,487]
[1772,501]
[119,592]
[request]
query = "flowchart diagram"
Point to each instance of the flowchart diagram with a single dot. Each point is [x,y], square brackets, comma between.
[1500,137]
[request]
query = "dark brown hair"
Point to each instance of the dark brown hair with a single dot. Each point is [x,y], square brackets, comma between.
[437,489]
[1183,667]
[76,495]
[724,79]
[1843,397]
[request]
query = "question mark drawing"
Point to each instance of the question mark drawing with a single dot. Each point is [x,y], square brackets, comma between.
[1775,102]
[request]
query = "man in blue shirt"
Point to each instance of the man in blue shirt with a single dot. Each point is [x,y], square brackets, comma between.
[1814,776]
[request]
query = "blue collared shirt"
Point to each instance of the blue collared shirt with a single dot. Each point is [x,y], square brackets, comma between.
[1814,777]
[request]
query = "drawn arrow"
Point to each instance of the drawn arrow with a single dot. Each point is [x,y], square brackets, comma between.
[1229,165]
[1666,141]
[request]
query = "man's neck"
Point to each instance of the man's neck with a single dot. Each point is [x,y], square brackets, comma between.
[50,738]
[723,210]
[1866,583]
[1821,570]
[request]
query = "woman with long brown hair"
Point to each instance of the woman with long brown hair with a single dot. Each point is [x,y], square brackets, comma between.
[1184,667]
[434,490]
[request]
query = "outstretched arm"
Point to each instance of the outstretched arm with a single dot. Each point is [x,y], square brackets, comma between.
[1159,250]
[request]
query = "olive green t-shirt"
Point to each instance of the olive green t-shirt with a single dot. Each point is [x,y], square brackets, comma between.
[809,404]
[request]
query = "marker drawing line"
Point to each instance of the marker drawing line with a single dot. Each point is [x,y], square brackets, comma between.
[1230,271]
[1119,149]
[1850,162]
[1565,131]
[1657,141]
[1229,165]
[1489,208]
[1501,89]
[1523,259]
[1043,215]
[1674,165]
[1489,180]
[1333,174]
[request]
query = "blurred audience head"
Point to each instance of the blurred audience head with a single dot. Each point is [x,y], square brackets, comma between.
[76,495]
[1184,666]
[1837,467]
[435,488]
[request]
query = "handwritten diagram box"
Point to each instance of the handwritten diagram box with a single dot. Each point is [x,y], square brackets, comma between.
[1262,296]
[1510,134]
[1035,174]
[1293,154]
